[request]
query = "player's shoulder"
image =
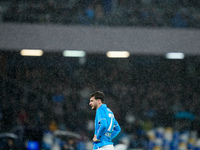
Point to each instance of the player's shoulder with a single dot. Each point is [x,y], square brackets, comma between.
[105,109]
[108,110]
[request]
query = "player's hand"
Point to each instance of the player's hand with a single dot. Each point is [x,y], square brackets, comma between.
[95,139]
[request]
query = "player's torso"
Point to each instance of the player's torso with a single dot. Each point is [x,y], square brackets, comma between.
[109,116]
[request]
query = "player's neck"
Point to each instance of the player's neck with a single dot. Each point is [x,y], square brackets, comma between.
[99,105]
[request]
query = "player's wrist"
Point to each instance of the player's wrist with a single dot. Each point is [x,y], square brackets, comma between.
[97,140]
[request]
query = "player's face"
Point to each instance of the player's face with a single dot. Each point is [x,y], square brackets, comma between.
[93,103]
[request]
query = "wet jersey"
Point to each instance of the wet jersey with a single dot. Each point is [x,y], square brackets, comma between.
[106,127]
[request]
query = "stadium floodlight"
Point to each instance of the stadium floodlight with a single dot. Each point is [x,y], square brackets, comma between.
[74,53]
[175,55]
[31,52]
[118,54]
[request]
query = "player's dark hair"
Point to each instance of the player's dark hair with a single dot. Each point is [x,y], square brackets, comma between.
[98,95]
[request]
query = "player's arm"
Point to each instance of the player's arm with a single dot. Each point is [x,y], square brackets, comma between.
[116,129]
[102,124]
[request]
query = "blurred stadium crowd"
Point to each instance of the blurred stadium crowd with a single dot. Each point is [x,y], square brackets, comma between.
[145,93]
[156,101]
[146,13]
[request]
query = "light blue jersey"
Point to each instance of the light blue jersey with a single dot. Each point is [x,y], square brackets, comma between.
[106,127]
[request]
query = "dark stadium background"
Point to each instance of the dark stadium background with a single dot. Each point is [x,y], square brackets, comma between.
[44,100]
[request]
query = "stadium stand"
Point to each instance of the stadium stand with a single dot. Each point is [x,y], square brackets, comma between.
[146,13]
[155,100]
[148,101]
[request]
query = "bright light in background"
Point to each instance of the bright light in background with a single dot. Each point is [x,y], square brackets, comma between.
[118,54]
[74,53]
[31,52]
[175,55]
